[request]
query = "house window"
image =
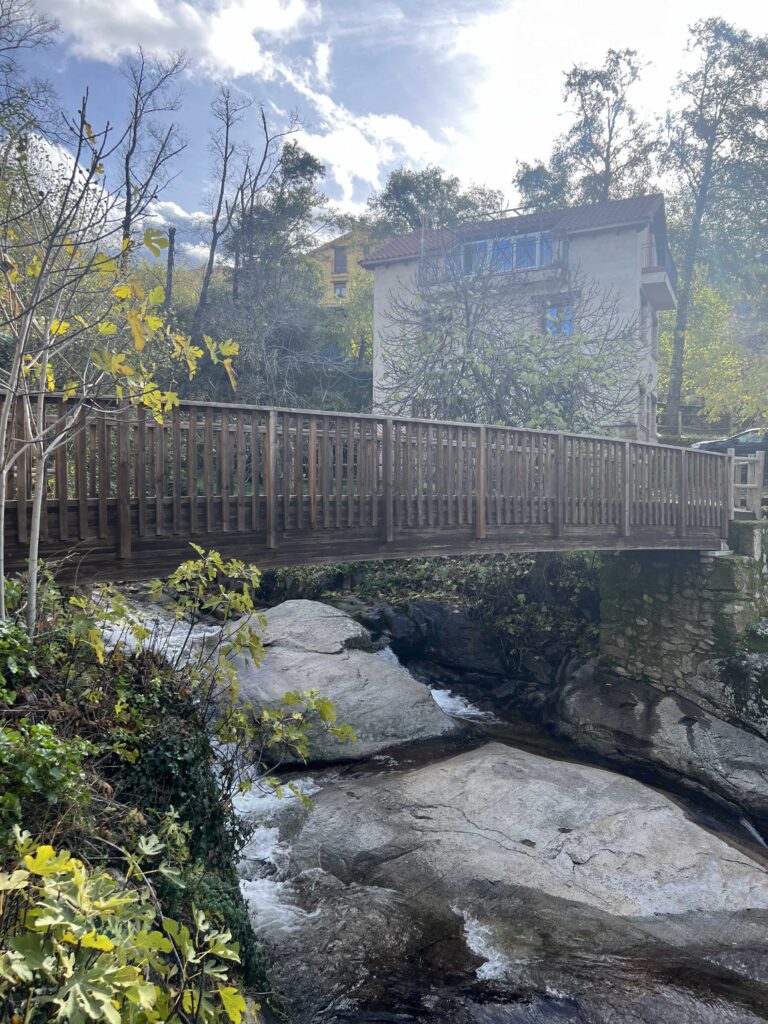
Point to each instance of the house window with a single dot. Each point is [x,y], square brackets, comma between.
[546,252]
[502,256]
[339,259]
[473,257]
[525,252]
[558,320]
[340,289]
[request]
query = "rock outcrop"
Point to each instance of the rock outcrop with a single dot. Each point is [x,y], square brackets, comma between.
[309,645]
[632,722]
[498,871]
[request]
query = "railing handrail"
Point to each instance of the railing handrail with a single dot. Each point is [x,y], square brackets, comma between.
[380,417]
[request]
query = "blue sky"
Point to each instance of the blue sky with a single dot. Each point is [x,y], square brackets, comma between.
[473,85]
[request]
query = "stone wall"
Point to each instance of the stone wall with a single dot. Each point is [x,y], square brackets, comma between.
[665,616]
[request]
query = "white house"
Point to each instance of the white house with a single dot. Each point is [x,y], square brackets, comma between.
[620,245]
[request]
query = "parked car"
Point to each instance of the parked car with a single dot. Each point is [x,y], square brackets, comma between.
[745,443]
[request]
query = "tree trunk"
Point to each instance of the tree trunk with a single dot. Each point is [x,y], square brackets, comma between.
[168,302]
[693,243]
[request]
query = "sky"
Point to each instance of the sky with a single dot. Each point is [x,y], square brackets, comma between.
[471,85]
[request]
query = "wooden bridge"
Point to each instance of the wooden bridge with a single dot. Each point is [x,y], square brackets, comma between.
[126,495]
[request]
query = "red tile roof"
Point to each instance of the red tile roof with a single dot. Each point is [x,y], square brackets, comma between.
[595,216]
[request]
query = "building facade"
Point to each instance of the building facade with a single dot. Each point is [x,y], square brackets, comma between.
[617,248]
[337,261]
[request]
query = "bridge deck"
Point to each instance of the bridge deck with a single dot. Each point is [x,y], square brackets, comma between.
[126,495]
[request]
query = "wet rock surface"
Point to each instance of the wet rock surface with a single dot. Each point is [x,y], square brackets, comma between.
[309,645]
[500,886]
[634,722]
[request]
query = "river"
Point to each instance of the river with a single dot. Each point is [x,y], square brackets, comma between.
[344,951]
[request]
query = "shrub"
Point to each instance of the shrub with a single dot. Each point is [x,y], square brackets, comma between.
[80,944]
[42,777]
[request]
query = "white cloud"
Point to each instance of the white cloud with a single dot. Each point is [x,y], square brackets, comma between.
[165,213]
[515,58]
[194,254]
[323,62]
[226,38]
[359,148]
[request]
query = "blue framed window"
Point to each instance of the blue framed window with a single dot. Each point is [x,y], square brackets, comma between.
[525,252]
[546,250]
[473,257]
[502,256]
[558,321]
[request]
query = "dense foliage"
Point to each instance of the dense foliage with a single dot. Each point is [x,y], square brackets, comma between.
[531,601]
[122,763]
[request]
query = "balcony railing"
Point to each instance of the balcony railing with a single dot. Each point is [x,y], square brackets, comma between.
[653,259]
[490,257]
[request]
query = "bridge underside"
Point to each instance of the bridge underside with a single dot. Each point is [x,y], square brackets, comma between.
[156,552]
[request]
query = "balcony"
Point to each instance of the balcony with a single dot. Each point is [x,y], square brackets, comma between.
[659,277]
[518,258]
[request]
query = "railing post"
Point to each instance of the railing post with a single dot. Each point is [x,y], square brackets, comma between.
[480,512]
[625,524]
[123,483]
[757,501]
[560,465]
[388,459]
[731,484]
[270,474]
[682,517]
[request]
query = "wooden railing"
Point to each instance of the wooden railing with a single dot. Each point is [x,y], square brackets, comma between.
[285,485]
[748,484]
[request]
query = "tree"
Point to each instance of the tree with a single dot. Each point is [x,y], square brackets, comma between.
[74,318]
[356,316]
[718,149]
[430,198]
[607,153]
[726,363]
[488,346]
[226,112]
[148,147]
[22,101]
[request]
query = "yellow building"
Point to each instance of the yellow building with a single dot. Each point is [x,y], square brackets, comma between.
[337,261]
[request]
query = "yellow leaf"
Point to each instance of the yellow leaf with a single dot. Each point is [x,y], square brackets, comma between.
[50,378]
[70,390]
[122,291]
[229,348]
[138,330]
[157,296]
[45,861]
[154,323]
[213,350]
[89,133]
[59,327]
[107,327]
[91,940]
[231,373]
[234,1004]
[17,880]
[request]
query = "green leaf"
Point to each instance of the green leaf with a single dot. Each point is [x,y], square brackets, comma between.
[155,241]
[151,846]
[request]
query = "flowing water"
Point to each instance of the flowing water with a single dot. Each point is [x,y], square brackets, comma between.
[469,980]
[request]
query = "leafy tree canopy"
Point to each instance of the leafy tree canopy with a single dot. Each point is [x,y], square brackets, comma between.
[608,150]
[430,198]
